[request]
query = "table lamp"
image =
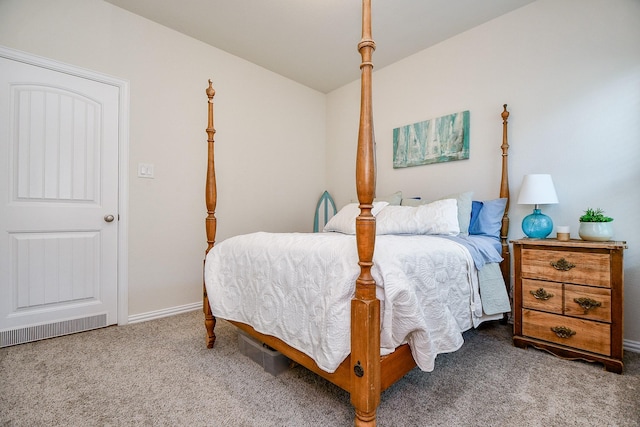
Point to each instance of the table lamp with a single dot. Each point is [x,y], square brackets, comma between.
[537,189]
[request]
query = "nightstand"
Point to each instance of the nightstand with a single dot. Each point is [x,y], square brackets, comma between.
[568,298]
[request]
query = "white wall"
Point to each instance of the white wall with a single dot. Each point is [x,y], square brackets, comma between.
[570,72]
[269,141]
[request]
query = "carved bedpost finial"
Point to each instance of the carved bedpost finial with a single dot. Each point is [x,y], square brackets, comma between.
[210,91]
[505,113]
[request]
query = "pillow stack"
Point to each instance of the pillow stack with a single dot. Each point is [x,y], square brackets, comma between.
[452,215]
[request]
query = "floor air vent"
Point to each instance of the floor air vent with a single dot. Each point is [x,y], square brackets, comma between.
[50,330]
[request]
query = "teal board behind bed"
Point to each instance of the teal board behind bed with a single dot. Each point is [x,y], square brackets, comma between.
[325,209]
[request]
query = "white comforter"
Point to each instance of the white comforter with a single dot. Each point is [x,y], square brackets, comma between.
[298,287]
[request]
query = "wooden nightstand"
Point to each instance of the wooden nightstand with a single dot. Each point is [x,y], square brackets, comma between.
[568,299]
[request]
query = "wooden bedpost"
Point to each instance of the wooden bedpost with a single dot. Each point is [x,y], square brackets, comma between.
[365,307]
[211,196]
[505,265]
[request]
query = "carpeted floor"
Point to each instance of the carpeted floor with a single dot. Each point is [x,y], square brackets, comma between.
[159,373]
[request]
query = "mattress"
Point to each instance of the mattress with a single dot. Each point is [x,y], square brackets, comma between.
[298,287]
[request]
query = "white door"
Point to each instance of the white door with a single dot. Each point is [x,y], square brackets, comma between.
[58,203]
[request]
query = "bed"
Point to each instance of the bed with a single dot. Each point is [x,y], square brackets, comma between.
[360,320]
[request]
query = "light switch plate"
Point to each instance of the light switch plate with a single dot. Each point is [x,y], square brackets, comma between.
[145,170]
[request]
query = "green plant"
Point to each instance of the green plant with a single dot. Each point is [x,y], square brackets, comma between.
[595,215]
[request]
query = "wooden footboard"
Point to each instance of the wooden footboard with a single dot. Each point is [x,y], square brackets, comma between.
[392,367]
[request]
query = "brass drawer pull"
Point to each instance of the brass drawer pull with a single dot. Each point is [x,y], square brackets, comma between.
[562,265]
[587,303]
[541,294]
[563,331]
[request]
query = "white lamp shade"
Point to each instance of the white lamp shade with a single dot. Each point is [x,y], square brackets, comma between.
[537,189]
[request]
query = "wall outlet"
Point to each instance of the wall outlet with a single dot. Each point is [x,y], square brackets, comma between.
[145,170]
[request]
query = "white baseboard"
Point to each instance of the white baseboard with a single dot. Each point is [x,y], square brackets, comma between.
[165,312]
[629,345]
[633,346]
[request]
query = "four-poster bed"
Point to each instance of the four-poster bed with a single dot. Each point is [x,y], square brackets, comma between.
[364,372]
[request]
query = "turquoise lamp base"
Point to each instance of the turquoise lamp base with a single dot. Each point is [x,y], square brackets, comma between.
[537,225]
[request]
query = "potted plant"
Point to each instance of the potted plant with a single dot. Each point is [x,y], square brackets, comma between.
[595,226]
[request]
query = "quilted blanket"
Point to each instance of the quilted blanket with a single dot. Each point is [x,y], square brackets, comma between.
[298,287]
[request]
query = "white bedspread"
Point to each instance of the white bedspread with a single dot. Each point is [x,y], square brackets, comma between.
[298,287]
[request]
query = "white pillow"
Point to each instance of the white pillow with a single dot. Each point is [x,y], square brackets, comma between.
[464,208]
[439,217]
[345,220]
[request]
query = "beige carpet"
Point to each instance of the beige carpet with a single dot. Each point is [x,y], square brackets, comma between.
[158,373]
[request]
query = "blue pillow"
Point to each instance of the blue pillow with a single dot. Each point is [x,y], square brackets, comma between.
[476,206]
[486,217]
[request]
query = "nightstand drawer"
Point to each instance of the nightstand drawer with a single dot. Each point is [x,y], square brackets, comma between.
[541,295]
[567,266]
[576,333]
[587,302]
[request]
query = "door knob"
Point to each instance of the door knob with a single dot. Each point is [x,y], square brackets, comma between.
[109,218]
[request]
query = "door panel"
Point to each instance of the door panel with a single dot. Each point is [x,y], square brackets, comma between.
[53,269]
[56,145]
[58,180]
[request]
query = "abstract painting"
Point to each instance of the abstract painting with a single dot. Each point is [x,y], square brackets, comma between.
[443,139]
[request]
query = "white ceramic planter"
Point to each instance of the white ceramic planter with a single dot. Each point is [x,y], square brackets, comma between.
[596,231]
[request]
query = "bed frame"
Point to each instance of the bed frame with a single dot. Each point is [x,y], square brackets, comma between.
[364,373]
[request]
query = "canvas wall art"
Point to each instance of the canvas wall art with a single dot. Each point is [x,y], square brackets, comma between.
[442,139]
